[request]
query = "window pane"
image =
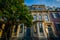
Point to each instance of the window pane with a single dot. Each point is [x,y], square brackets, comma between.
[49,28]
[50,32]
[33,8]
[35,17]
[57,14]
[46,18]
[57,26]
[39,8]
[21,28]
[41,27]
[54,15]
[40,17]
[15,29]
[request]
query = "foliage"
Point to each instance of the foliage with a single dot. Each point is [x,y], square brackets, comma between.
[15,9]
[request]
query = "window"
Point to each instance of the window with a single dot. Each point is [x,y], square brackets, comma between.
[57,26]
[33,8]
[55,15]
[59,13]
[50,32]
[15,29]
[46,18]
[50,9]
[21,28]
[49,28]
[57,9]
[35,17]
[41,27]
[40,17]
[39,8]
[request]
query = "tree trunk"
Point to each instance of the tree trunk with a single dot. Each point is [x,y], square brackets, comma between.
[6,32]
[2,25]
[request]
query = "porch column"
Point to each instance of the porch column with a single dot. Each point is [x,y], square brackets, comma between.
[18,30]
[38,29]
[23,29]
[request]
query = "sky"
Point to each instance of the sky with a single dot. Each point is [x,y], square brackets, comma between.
[51,3]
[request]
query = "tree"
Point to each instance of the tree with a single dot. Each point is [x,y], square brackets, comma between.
[13,10]
[26,17]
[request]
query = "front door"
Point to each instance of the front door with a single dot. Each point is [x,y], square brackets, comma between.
[50,32]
